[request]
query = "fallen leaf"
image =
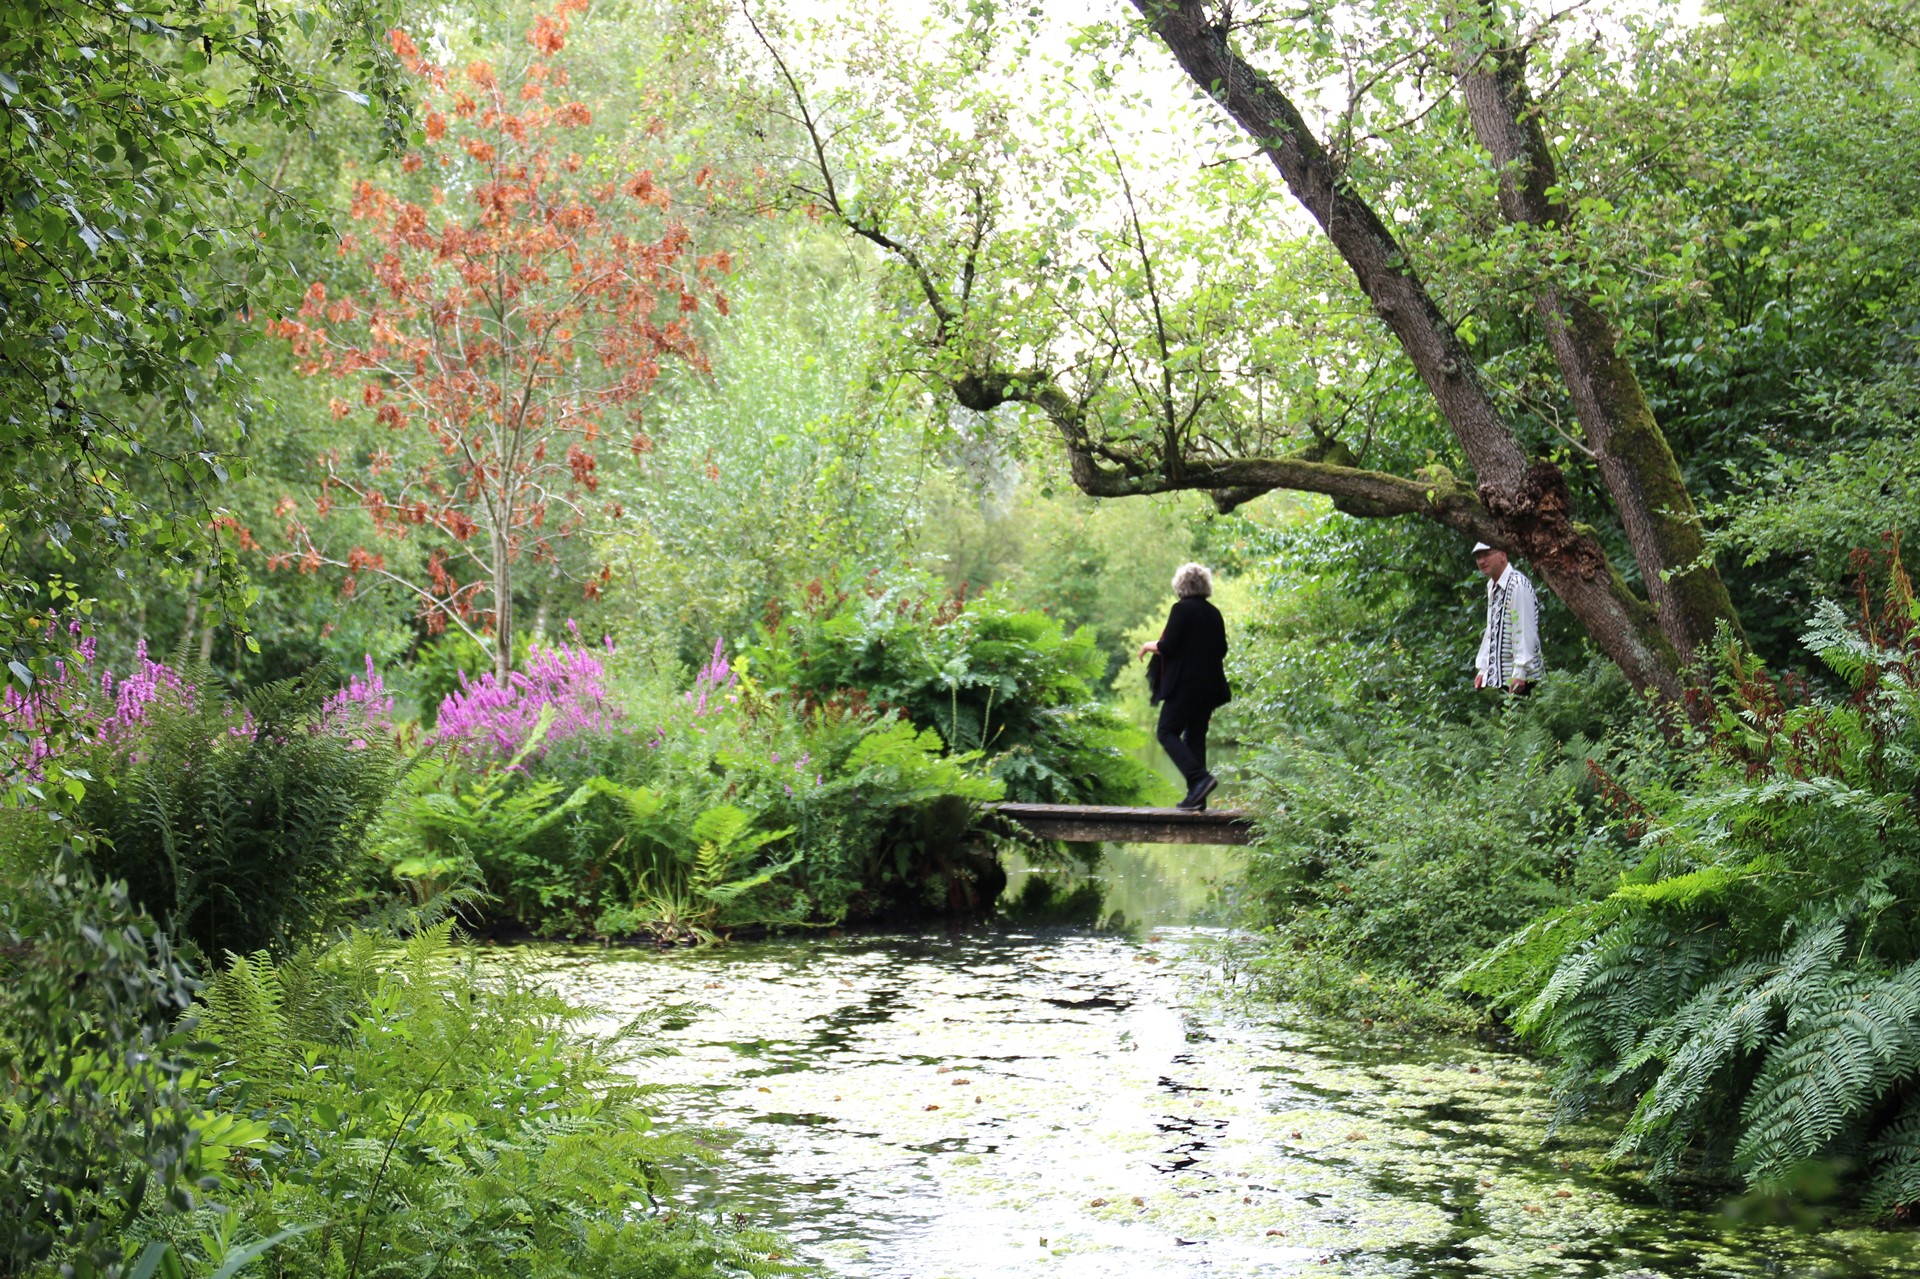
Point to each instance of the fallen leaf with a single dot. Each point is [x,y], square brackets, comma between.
[1096,1203]
[1277,1232]
[1138,1202]
[764,1089]
[933,1107]
[1531,1208]
[961,1083]
[1563,1194]
[943,1070]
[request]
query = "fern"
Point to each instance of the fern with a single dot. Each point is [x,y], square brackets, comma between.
[244,1010]
[1754,989]
[241,824]
[1894,1161]
[434,1114]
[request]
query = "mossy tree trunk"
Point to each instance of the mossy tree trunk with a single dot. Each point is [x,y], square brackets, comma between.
[1630,450]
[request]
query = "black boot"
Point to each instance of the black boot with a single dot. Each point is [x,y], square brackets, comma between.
[1196,800]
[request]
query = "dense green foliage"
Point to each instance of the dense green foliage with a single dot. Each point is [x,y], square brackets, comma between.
[421,1107]
[1009,684]
[359,1109]
[137,232]
[745,816]
[1712,930]
[1752,986]
[1393,851]
[241,824]
[101,1111]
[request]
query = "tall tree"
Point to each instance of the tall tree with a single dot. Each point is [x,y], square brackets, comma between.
[520,311]
[136,232]
[1163,392]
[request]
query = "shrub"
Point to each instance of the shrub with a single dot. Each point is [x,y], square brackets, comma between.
[241,824]
[100,1110]
[1752,987]
[693,813]
[1393,849]
[986,677]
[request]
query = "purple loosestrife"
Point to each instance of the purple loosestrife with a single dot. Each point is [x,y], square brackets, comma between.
[489,720]
[363,708]
[716,675]
[105,710]
[112,709]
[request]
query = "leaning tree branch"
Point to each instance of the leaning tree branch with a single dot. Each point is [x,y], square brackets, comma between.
[1529,501]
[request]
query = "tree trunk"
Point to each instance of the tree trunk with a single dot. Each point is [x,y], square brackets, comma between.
[1528,503]
[1631,451]
[193,610]
[502,603]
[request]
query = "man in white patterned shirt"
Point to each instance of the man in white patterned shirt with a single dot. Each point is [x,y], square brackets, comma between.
[1510,646]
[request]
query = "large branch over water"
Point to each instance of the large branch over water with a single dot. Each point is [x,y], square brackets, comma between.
[1437,496]
[1530,502]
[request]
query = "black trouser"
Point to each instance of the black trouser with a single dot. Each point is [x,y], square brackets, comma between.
[1183,735]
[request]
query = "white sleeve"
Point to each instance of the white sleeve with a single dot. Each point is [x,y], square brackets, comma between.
[1484,658]
[1526,645]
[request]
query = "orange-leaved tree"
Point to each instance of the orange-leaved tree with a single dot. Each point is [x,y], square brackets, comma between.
[520,305]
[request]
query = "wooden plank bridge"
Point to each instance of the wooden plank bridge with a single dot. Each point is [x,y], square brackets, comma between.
[1082,824]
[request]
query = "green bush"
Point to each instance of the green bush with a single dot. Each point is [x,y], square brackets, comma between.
[99,1115]
[1393,849]
[1752,987]
[241,824]
[717,810]
[986,677]
[416,1110]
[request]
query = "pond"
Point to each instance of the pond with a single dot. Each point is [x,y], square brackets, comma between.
[1073,1102]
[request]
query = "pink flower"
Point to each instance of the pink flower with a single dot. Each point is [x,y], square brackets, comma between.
[492,719]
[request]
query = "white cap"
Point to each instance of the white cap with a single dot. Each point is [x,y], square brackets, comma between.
[1481,546]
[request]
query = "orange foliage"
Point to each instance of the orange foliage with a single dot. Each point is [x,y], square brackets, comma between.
[490,431]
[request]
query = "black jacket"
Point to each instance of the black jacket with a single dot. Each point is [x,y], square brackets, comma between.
[1193,656]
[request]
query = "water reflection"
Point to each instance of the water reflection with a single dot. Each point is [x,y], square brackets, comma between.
[1133,886]
[1070,1104]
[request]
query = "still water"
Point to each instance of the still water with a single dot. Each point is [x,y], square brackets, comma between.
[1076,1102]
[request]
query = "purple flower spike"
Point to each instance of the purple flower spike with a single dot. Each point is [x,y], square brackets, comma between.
[490,720]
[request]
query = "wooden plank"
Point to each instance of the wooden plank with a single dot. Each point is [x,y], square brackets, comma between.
[1086,823]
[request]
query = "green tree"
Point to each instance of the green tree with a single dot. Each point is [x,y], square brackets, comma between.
[1467,344]
[137,236]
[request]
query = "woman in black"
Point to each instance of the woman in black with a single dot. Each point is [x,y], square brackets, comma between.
[1191,682]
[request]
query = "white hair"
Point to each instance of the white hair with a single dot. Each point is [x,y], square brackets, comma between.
[1192,579]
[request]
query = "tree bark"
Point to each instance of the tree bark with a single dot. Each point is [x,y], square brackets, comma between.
[502,604]
[1632,453]
[1528,503]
